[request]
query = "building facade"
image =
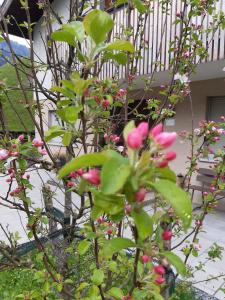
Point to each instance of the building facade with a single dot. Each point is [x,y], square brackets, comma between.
[160,29]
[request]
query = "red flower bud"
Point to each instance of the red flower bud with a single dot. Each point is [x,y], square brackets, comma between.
[159,270]
[145,259]
[171,155]
[140,195]
[93,176]
[159,280]
[167,235]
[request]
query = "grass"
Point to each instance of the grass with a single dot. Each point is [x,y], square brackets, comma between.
[13,123]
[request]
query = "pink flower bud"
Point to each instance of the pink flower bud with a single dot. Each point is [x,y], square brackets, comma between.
[143,129]
[134,139]
[70,184]
[159,270]
[140,195]
[37,143]
[128,209]
[80,172]
[159,280]
[109,231]
[170,155]
[21,138]
[205,194]
[212,189]
[105,103]
[93,176]
[4,154]
[14,146]
[167,235]
[166,139]
[145,259]
[73,174]
[43,152]
[156,130]
[162,164]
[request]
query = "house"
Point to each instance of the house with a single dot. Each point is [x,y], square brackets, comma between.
[160,29]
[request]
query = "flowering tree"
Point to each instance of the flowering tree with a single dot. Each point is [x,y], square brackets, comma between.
[112,164]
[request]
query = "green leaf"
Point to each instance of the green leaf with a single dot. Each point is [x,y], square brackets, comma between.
[83,161]
[116,245]
[97,25]
[140,6]
[176,262]
[177,198]
[69,33]
[120,2]
[114,175]
[69,114]
[166,173]
[111,205]
[115,293]
[143,223]
[53,132]
[83,247]
[121,58]
[121,45]
[98,277]
[67,138]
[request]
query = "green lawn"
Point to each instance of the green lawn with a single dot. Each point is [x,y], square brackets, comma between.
[13,122]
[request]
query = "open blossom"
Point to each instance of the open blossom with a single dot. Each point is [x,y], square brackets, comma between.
[197,131]
[143,129]
[92,176]
[4,154]
[43,152]
[37,143]
[134,139]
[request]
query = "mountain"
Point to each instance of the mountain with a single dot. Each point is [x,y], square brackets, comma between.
[19,49]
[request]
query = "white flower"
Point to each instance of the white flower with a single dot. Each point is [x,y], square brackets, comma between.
[220,131]
[197,131]
[120,148]
[183,78]
[4,154]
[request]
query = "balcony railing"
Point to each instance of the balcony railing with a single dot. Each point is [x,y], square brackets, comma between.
[160,29]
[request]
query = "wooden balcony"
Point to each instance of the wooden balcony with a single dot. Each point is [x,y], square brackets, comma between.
[160,30]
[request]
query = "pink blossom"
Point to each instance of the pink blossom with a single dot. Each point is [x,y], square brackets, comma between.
[4,154]
[37,143]
[92,176]
[140,195]
[21,138]
[166,139]
[156,130]
[114,138]
[145,259]
[212,189]
[121,93]
[143,129]
[134,139]
[14,146]
[170,155]
[205,194]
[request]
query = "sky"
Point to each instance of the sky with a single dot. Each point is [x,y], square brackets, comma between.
[15,38]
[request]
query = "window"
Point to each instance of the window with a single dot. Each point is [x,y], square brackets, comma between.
[53,120]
